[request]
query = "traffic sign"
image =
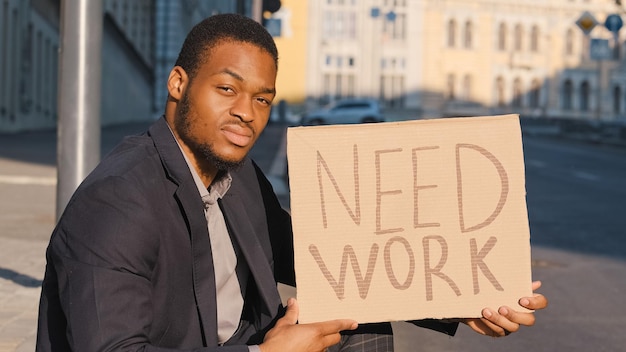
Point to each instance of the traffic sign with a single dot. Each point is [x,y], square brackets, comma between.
[599,49]
[614,23]
[586,22]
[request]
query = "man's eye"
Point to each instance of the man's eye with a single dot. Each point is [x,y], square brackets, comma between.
[264,101]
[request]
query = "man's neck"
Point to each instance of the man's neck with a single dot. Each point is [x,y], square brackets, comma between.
[203,167]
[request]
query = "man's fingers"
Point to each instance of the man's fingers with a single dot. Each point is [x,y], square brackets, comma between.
[332,339]
[478,326]
[324,328]
[485,327]
[335,326]
[537,301]
[499,323]
[291,315]
[536,285]
[521,318]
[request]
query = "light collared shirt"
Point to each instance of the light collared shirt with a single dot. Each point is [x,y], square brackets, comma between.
[228,272]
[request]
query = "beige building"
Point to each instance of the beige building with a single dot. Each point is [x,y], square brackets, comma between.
[528,57]
[459,57]
[292,43]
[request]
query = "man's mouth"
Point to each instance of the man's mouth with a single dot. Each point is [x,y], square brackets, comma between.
[238,135]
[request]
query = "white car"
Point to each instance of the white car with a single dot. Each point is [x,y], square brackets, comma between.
[345,111]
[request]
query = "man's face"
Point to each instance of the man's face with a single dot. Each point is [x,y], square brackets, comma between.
[226,106]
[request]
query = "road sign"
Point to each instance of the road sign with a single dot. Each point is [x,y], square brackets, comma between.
[586,22]
[614,23]
[599,49]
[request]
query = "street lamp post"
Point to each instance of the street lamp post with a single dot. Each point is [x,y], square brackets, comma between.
[78,130]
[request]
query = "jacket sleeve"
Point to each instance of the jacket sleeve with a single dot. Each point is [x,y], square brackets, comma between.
[280,232]
[448,328]
[101,261]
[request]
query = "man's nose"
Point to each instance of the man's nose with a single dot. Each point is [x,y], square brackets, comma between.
[242,109]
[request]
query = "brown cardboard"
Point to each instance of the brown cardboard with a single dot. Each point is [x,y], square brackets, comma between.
[409,220]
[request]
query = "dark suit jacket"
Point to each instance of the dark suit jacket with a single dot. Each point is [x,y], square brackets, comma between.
[129,264]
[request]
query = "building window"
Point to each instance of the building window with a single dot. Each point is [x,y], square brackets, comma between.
[37,66]
[519,37]
[4,54]
[351,86]
[392,90]
[517,93]
[50,84]
[584,96]
[399,27]
[55,78]
[500,100]
[338,87]
[502,37]
[534,39]
[328,60]
[617,99]
[398,92]
[351,26]
[14,68]
[328,24]
[569,42]
[451,33]
[30,71]
[568,91]
[467,38]
[535,91]
[467,87]
[450,86]
[325,97]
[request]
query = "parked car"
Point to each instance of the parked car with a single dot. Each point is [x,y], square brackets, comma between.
[345,111]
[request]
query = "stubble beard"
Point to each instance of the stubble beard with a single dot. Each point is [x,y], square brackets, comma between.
[184,126]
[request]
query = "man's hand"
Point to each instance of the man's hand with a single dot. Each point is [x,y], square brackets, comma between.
[506,320]
[287,335]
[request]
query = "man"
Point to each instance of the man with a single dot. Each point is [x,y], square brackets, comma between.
[176,240]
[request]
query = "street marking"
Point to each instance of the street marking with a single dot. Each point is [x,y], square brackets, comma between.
[28,180]
[535,163]
[586,176]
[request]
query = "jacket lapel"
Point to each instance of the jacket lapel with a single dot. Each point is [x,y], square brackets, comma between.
[192,208]
[243,209]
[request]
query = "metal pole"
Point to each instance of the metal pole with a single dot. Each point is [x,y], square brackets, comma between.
[78,130]
[257,10]
[599,92]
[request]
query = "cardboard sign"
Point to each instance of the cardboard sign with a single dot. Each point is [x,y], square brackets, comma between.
[409,220]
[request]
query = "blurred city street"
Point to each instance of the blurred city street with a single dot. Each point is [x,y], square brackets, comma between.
[560,65]
[576,199]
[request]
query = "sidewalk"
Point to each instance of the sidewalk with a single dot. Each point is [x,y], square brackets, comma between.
[27,217]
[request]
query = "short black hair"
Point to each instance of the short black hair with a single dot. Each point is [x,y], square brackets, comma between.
[223,27]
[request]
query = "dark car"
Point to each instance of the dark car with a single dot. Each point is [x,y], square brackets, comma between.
[345,111]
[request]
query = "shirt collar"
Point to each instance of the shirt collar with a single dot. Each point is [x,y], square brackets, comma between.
[217,189]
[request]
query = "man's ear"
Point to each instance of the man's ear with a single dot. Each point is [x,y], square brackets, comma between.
[177,82]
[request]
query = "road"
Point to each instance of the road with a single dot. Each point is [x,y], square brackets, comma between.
[576,203]
[576,196]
